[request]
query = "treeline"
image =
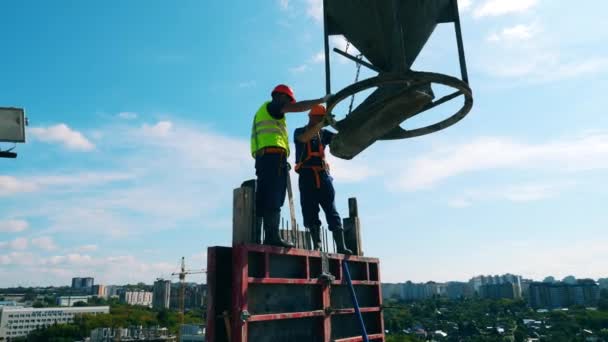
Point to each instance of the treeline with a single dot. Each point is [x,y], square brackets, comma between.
[493,320]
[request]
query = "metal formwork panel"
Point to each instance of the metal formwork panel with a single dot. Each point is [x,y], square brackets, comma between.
[277,295]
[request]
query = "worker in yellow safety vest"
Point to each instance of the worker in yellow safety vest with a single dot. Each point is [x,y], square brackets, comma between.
[315,183]
[270,149]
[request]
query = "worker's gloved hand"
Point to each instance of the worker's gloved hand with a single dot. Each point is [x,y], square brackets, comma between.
[326,98]
[329,120]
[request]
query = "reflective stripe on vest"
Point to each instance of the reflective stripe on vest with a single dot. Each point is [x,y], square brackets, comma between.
[267,131]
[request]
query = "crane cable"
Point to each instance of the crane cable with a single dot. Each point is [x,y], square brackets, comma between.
[359,57]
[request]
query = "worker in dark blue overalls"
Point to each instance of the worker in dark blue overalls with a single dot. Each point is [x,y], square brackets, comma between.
[315,183]
[270,148]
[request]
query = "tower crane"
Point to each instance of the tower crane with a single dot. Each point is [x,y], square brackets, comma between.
[182,285]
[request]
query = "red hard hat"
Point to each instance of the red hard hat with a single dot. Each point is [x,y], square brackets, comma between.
[317,110]
[284,89]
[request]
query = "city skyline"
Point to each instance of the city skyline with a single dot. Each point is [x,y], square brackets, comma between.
[139,123]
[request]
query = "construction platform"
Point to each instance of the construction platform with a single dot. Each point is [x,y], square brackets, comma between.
[260,294]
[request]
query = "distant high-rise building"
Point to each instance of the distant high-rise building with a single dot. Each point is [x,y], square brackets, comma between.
[161,297]
[458,290]
[140,297]
[99,291]
[112,291]
[85,284]
[549,279]
[525,285]
[515,280]
[603,283]
[557,295]
[505,290]
[391,291]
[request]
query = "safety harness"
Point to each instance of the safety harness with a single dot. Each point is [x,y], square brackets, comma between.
[317,169]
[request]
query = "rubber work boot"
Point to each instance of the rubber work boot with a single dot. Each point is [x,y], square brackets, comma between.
[272,236]
[338,235]
[315,235]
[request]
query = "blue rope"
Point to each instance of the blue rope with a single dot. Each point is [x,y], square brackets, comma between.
[354,299]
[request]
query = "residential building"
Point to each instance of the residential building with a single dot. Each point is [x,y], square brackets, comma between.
[391,291]
[71,300]
[8,303]
[141,297]
[99,291]
[458,290]
[525,286]
[19,321]
[479,281]
[161,297]
[499,291]
[133,333]
[113,291]
[15,297]
[84,284]
[557,295]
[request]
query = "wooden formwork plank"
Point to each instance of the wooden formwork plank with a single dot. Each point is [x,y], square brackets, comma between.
[243,215]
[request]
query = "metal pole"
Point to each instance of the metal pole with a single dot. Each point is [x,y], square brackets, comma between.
[457,28]
[353,296]
[357,60]
[326,43]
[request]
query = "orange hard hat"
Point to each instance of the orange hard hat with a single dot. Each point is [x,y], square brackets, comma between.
[317,110]
[284,89]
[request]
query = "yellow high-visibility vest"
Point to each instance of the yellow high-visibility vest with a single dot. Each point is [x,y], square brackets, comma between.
[267,131]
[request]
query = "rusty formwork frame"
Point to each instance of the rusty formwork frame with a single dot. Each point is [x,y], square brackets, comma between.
[365,274]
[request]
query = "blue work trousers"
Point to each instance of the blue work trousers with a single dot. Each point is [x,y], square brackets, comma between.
[312,197]
[271,171]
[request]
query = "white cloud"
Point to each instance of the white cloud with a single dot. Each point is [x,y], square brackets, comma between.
[127,115]
[528,192]
[62,134]
[18,244]
[12,185]
[459,203]
[350,171]
[515,33]
[493,8]
[567,155]
[118,269]
[175,167]
[465,5]
[284,4]
[534,64]
[13,226]
[87,248]
[247,84]
[160,130]
[45,243]
[299,69]
[319,57]
[315,9]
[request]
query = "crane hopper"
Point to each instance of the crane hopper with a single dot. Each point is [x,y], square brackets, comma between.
[390,34]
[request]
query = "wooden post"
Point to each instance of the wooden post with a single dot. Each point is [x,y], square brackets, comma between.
[352,228]
[244,227]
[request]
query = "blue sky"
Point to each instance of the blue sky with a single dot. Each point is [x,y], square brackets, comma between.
[140,113]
